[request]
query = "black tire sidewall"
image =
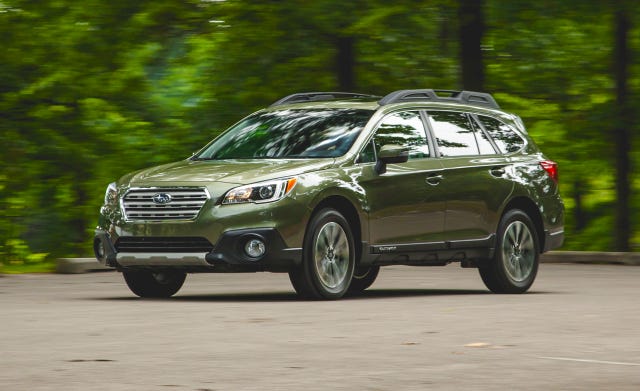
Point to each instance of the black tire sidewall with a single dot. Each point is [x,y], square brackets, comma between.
[362,281]
[145,284]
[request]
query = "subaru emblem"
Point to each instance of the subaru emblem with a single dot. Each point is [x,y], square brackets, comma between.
[162,198]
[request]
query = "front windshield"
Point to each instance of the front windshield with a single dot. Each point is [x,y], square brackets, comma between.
[308,133]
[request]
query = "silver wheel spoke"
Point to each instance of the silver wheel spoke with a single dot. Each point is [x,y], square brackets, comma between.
[327,237]
[518,269]
[513,236]
[527,242]
[341,246]
[331,255]
[341,265]
[518,251]
[321,247]
[332,274]
[518,233]
[337,273]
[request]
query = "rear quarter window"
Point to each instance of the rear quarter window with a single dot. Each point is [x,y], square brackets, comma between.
[453,133]
[505,137]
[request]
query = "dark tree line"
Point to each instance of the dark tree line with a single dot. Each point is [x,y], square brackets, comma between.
[622,130]
[91,90]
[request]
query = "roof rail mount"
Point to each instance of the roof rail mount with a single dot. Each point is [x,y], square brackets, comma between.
[465,97]
[320,96]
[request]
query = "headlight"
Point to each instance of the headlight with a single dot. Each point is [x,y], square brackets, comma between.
[111,195]
[260,192]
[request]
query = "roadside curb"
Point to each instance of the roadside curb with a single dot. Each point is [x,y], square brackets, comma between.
[605,258]
[79,265]
[86,265]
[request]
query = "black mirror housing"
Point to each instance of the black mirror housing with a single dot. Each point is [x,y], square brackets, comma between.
[391,154]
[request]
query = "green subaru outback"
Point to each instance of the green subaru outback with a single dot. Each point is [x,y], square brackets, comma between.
[329,187]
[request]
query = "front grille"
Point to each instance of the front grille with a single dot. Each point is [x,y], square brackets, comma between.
[145,244]
[183,203]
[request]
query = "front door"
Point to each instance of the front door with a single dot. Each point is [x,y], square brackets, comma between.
[405,203]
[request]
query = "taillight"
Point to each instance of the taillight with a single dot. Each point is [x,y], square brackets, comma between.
[551,168]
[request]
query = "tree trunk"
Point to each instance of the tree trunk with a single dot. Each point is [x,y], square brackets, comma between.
[622,134]
[345,63]
[472,28]
[579,214]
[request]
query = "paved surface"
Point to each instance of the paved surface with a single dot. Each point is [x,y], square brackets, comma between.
[416,329]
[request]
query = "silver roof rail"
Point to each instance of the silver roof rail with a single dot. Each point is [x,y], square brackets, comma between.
[465,97]
[320,96]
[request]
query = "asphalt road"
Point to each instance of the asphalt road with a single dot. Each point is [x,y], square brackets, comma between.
[416,329]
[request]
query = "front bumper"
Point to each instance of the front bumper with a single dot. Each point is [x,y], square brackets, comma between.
[227,254]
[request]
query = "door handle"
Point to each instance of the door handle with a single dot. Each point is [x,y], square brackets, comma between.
[434,179]
[497,171]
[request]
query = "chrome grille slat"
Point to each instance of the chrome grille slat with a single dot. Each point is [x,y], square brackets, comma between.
[174,201]
[181,195]
[186,203]
[159,210]
[153,208]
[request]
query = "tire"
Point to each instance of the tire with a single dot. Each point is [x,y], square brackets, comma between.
[362,278]
[148,284]
[515,263]
[328,258]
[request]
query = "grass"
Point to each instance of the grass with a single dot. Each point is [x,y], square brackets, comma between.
[21,268]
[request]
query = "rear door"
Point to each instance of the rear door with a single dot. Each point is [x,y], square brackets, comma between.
[475,177]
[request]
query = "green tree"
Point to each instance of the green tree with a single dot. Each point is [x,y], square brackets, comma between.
[471,26]
[550,62]
[77,91]
[622,126]
[91,90]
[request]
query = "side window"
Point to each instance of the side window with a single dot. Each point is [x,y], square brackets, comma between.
[484,144]
[403,128]
[503,135]
[453,133]
[368,154]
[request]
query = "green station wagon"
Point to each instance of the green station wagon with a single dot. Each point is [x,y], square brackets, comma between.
[329,187]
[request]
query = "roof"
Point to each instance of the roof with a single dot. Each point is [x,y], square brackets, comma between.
[350,99]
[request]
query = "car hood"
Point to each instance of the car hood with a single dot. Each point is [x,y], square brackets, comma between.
[227,171]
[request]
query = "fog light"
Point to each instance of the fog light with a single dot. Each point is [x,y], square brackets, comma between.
[254,248]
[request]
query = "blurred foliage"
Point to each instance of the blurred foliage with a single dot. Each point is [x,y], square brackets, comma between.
[91,90]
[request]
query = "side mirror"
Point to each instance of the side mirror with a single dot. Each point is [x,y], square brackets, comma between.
[391,153]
